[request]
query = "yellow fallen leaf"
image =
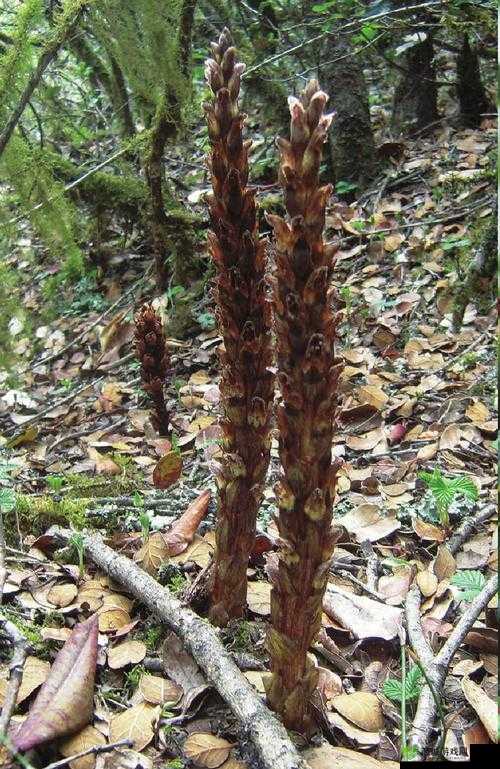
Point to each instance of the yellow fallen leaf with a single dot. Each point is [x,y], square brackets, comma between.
[206,750]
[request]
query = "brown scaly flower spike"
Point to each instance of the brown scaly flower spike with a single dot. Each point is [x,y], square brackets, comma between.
[308,374]
[152,353]
[243,315]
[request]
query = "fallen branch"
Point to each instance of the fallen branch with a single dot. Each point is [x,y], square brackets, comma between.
[436,666]
[269,737]
[468,527]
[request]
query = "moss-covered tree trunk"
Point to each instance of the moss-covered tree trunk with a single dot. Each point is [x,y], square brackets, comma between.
[352,148]
[471,94]
[165,126]
[415,97]
[480,274]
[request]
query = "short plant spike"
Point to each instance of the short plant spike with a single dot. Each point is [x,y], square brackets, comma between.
[308,374]
[243,315]
[152,354]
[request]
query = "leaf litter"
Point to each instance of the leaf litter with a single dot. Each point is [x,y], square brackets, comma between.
[416,396]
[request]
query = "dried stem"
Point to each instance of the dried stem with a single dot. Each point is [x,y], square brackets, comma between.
[436,667]
[308,373]
[16,668]
[243,315]
[152,353]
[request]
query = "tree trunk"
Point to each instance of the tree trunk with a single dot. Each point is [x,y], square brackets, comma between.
[480,273]
[164,127]
[471,95]
[415,98]
[352,148]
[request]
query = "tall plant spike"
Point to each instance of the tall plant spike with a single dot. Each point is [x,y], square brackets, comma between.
[308,374]
[243,314]
[152,354]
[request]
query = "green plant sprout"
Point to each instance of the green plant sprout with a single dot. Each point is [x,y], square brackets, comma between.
[145,522]
[55,482]
[78,544]
[446,490]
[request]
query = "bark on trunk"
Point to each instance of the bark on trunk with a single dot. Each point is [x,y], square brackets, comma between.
[415,99]
[268,736]
[471,95]
[352,148]
[480,273]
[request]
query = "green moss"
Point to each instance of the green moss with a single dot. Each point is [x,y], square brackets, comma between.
[36,514]
[32,631]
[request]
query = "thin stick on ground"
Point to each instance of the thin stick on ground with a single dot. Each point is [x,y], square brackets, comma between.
[267,734]
[96,750]
[436,666]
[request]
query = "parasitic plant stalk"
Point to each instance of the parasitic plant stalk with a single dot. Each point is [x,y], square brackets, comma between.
[308,373]
[151,348]
[243,314]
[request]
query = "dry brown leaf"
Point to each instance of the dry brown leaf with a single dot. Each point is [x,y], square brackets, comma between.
[158,690]
[111,619]
[126,653]
[428,451]
[477,412]
[135,724]
[331,757]
[362,616]
[329,684]
[354,734]
[34,674]
[168,470]
[104,465]
[450,437]
[200,552]
[62,595]
[392,242]
[89,737]
[370,522]
[65,702]
[206,750]
[362,708]
[365,442]
[259,598]
[444,566]
[183,530]
[485,708]
[427,582]
[372,395]
[426,530]
[395,587]
[153,553]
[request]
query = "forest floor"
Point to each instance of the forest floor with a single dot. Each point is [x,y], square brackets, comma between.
[79,448]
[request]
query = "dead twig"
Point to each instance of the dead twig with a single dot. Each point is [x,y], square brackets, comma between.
[262,727]
[436,666]
[96,750]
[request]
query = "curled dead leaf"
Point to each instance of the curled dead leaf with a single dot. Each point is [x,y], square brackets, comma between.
[65,702]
